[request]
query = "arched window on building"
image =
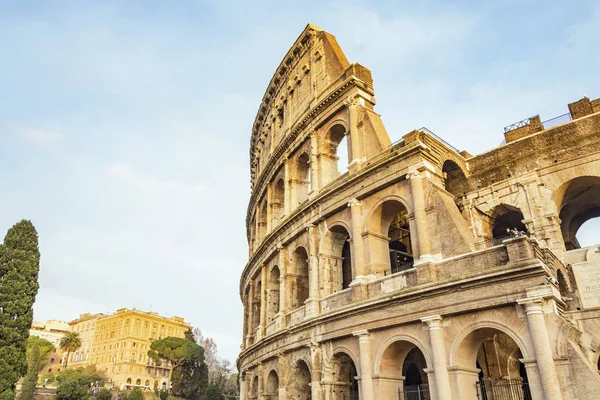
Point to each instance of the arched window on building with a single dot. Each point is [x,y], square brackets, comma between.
[455,180]
[506,218]
[256,306]
[302,179]
[300,288]
[337,244]
[262,219]
[335,153]
[273,294]
[578,202]
[277,206]
[389,238]
[272,391]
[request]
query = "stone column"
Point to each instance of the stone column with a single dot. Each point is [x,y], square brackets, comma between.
[418,199]
[243,388]
[250,332]
[359,278]
[312,303]
[283,378]
[287,196]
[315,166]
[438,350]
[354,139]
[283,284]
[366,382]
[261,382]
[541,345]
[263,302]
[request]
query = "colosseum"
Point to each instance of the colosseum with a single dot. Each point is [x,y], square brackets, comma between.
[412,270]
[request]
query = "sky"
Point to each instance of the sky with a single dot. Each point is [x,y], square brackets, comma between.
[125,125]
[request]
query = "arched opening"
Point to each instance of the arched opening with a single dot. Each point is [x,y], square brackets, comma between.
[403,364]
[256,307]
[262,220]
[507,218]
[337,246]
[300,288]
[455,180]
[272,390]
[129,381]
[578,201]
[299,381]
[277,206]
[138,382]
[302,180]
[273,294]
[498,357]
[247,307]
[335,153]
[147,383]
[254,389]
[389,239]
[344,377]
[155,385]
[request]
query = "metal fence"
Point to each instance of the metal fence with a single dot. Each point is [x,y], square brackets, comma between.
[505,389]
[561,119]
[414,392]
[423,129]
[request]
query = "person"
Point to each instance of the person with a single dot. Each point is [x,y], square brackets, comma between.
[45,382]
[509,233]
[516,232]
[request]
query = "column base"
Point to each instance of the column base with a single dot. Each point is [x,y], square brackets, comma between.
[312,307]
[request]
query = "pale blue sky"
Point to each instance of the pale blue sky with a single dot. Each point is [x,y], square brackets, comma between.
[125,125]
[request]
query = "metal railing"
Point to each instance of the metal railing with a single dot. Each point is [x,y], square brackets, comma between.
[561,119]
[423,129]
[400,261]
[517,125]
[414,392]
[505,389]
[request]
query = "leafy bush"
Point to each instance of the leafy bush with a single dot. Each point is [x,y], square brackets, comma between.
[135,394]
[163,395]
[73,384]
[104,394]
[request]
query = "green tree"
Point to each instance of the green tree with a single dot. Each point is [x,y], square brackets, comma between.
[163,395]
[19,267]
[135,394]
[70,343]
[46,348]
[73,384]
[29,383]
[190,374]
[104,394]
[213,392]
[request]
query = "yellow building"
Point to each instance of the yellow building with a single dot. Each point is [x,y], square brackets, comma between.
[118,345]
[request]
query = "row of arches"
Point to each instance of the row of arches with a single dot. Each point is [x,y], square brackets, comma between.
[138,383]
[302,177]
[404,371]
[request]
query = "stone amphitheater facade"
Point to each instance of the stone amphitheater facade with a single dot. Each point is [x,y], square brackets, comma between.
[396,278]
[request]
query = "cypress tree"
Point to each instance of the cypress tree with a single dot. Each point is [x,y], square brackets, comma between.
[19,266]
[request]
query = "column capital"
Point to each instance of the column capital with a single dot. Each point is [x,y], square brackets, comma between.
[532,305]
[413,174]
[362,334]
[434,321]
[354,202]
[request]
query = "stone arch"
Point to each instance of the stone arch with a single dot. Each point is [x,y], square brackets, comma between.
[577,201]
[403,337]
[256,305]
[302,177]
[390,237]
[300,379]
[273,288]
[506,216]
[453,357]
[278,202]
[367,219]
[332,143]
[344,372]
[337,256]
[495,352]
[341,349]
[272,386]
[300,268]
[254,388]
[455,179]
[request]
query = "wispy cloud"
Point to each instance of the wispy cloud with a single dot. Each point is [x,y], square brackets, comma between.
[40,138]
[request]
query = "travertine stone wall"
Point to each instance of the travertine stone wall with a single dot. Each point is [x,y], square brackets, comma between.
[392,276]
